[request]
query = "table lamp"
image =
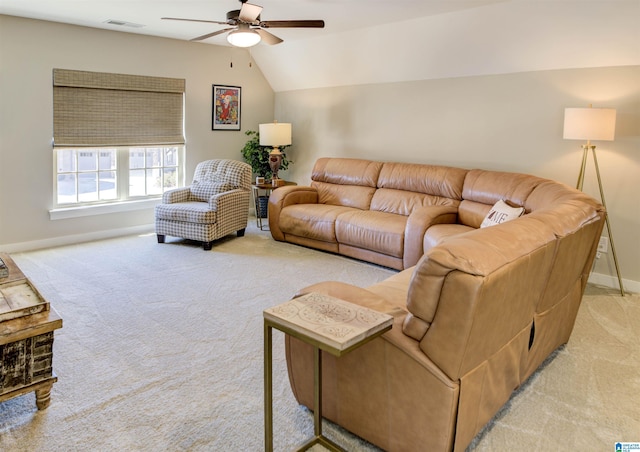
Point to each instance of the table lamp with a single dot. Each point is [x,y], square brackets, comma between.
[596,124]
[275,135]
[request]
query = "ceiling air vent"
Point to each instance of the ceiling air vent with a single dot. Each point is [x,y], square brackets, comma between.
[122,23]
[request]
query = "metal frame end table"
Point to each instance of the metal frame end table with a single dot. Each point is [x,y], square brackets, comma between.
[316,318]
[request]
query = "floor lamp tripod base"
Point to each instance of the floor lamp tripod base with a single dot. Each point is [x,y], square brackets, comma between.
[585,152]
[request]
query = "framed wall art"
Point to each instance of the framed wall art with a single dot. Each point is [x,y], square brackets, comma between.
[226,107]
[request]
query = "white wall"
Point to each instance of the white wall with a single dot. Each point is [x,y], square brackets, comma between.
[30,49]
[504,37]
[509,122]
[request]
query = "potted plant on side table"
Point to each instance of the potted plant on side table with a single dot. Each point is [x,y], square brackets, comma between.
[257,156]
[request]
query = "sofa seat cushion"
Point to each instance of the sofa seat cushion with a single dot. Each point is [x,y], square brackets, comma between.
[312,221]
[190,212]
[437,233]
[381,232]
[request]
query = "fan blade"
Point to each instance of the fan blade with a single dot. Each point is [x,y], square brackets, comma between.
[267,37]
[249,13]
[293,24]
[209,35]
[196,20]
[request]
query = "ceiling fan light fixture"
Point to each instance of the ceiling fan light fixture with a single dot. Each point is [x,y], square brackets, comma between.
[246,27]
[243,37]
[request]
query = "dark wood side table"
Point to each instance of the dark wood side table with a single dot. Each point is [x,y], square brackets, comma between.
[27,323]
[327,323]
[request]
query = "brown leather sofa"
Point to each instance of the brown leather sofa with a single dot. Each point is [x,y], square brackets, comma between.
[476,310]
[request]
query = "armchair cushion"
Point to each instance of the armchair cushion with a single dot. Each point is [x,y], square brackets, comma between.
[238,174]
[203,191]
[191,212]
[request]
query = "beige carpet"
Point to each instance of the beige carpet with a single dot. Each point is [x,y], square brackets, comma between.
[162,349]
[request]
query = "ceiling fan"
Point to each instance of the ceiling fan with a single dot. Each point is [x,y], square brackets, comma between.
[246,29]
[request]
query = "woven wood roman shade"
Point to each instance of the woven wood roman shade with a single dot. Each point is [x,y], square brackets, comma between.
[102,109]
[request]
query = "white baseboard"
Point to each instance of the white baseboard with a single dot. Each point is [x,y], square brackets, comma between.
[612,282]
[76,238]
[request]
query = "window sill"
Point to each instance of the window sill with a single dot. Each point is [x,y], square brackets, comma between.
[86,211]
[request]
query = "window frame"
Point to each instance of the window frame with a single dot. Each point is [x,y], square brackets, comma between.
[122,171]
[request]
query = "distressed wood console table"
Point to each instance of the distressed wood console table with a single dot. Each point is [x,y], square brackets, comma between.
[327,323]
[27,323]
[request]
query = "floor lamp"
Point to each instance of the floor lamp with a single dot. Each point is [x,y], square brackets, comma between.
[597,124]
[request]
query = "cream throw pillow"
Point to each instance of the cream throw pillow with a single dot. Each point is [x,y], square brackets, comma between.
[501,212]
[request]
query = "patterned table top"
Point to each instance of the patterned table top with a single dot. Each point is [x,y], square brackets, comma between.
[336,325]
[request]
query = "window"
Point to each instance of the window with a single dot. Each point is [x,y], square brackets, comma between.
[102,175]
[86,175]
[117,137]
[152,170]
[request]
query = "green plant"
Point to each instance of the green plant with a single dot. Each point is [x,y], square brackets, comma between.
[258,156]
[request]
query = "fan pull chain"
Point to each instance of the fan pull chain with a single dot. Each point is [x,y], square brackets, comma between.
[231,58]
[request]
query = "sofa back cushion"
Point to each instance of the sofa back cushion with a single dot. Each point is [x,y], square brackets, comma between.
[345,182]
[433,180]
[482,189]
[404,202]
[404,186]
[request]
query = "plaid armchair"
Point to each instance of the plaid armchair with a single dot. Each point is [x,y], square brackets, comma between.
[214,205]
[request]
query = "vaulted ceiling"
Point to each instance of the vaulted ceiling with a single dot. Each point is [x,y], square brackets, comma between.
[375,41]
[144,16]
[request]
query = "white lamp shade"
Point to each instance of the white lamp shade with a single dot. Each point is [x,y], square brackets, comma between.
[589,124]
[243,37]
[275,134]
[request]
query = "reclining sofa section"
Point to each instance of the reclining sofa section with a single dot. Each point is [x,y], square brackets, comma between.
[374,211]
[477,310]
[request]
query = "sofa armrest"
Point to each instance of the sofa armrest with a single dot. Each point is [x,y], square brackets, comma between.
[417,224]
[175,195]
[286,196]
